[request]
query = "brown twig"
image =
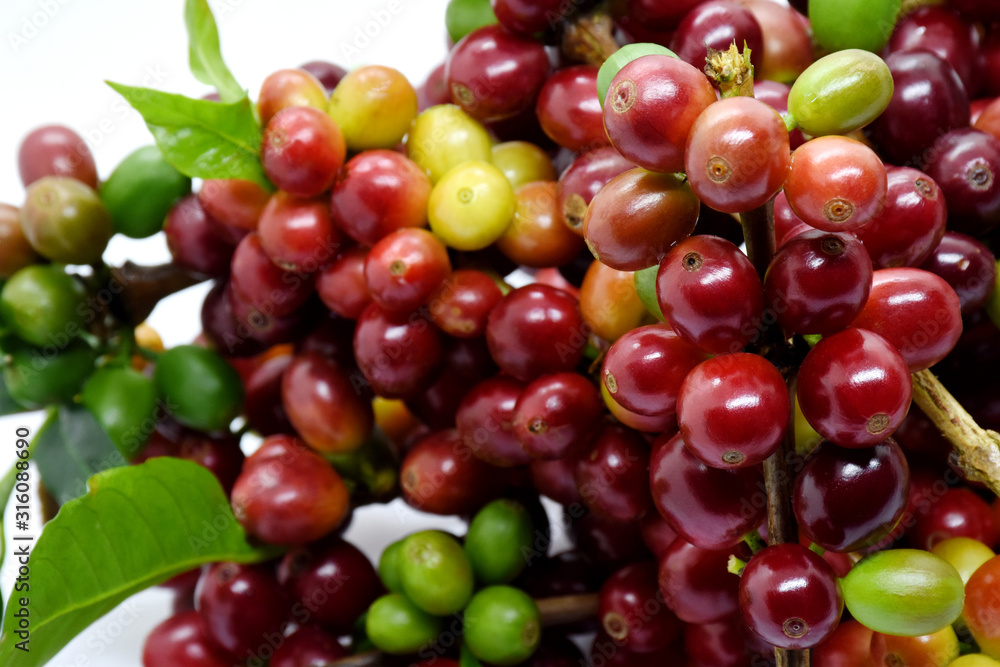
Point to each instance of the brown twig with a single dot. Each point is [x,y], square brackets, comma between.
[978,449]
[589,38]
[137,289]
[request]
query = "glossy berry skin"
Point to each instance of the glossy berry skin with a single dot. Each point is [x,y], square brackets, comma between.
[643,370]
[324,403]
[557,415]
[981,614]
[241,606]
[717,24]
[233,202]
[737,154]
[968,266]
[694,584]
[288,494]
[635,219]
[651,105]
[583,179]
[398,354]
[258,281]
[332,580]
[836,184]
[462,305]
[534,330]
[378,192]
[341,285]
[554,478]
[569,111]
[708,507]
[289,88]
[308,647]
[441,476]
[718,644]
[957,513]
[326,73]
[928,100]
[630,612]
[405,268]
[181,641]
[710,294]
[965,165]
[302,151]
[789,597]
[537,237]
[916,311]
[848,646]
[297,234]
[55,150]
[733,410]
[494,74]
[818,282]
[613,475]
[854,388]
[942,32]
[911,224]
[609,302]
[849,499]
[526,17]
[485,421]
[935,649]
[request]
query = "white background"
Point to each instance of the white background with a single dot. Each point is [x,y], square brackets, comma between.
[54,57]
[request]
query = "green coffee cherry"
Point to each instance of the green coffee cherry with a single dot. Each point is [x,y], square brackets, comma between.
[123,401]
[140,192]
[905,592]
[502,625]
[43,305]
[463,16]
[840,93]
[499,537]
[37,377]
[435,572]
[198,387]
[853,24]
[388,567]
[397,626]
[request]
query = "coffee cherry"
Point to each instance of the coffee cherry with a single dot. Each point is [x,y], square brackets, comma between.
[694,583]
[494,74]
[523,162]
[965,164]
[397,353]
[980,612]
[536,330]
[485,422]
[373,106]
[462,305]
[710,294]
[140,192]
[289,88]
[583,179]
[635,219]
[435,573]
[378,192]
[502,625]
[302,150]
[733,410]
[233,202]
[569,110]
[56,150]
[181,640]
[441,476]
[333,582]
[849,499]
[404,269]
[44,305]
[557,415]
[818,282]
[737,154]
[968,266]
[341,285]
[444,137]
[789,597]
[288,494]
[65,220]
[241,606]
[916,311]
[613,475]
[631,613]
[964,553]
[499,536]
[936,648]
[854,388]
[709,507]
[471,206]
[199,388]
[36,378]
[195,241]
[650,107]
[397,626]
[537,236]
[904,592]
[717,24]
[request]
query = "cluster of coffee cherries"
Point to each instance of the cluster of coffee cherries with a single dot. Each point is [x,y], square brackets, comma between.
[524,279]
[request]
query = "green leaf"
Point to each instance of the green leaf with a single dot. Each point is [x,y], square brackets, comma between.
[69,448]
[645,286]
[204,56]
[201,138]
[136,527]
